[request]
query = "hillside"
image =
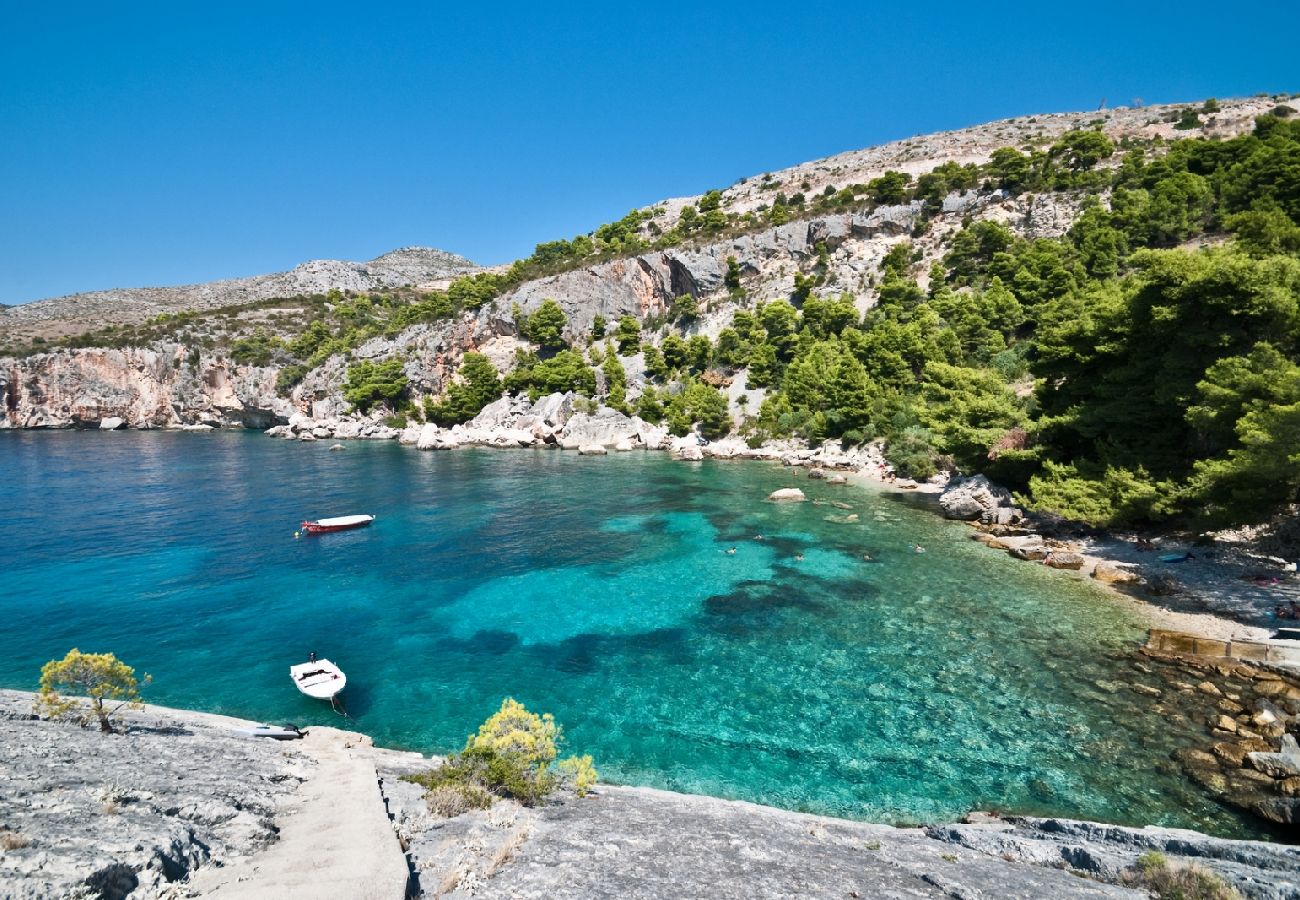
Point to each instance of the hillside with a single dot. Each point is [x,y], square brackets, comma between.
[1098,309]
[419,267]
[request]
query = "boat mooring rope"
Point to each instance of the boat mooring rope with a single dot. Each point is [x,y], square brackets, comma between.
[337,705]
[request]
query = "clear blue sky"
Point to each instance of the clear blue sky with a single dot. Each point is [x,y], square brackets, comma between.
[147,143]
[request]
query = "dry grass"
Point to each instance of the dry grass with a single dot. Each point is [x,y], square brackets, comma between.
[450,800]
[12,840]
[1178,882]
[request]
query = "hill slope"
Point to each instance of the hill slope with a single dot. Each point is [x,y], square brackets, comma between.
[77,313]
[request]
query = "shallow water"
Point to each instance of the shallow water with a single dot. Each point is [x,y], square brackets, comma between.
[908,688]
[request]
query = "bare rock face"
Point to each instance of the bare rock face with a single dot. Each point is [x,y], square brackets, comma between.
[974,498]
[132,814]
[604,428]
[155,387]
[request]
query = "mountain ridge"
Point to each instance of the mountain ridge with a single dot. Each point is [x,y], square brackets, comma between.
[70,314]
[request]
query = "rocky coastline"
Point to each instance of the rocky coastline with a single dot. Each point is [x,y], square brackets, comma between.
[180,804]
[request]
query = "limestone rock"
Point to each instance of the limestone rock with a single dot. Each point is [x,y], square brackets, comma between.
[787,494]
[592,450]
[1064,559]
[973,498]
[111,423]
[606,427]
[622,446]
[1113,573]
[1283,764]
[428,437]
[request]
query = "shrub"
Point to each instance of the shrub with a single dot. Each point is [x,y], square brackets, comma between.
[99,677]
[512,755]
[370,383]
[1168,882]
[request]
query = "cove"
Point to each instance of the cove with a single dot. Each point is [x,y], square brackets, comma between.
[907,688]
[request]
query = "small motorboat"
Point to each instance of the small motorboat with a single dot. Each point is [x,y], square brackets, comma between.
[1176,557]
[338,523]
[276,732]
[318,678]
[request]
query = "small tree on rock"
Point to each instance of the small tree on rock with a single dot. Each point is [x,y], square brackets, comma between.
[99,677]
[546,326]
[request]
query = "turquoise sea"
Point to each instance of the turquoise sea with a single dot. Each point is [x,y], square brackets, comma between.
[907,688]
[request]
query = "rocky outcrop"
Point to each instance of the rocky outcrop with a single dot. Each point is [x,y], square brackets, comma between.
[652,843]
[787,494]
[88,814]
[976,498]
[157,387]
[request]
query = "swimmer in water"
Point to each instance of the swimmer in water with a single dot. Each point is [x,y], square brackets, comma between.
[798,557]
[731,551]
[918,549]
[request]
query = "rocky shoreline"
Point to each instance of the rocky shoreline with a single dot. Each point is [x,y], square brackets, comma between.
[181,805]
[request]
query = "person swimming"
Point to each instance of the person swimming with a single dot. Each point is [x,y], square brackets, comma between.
[798,557]
[918,549]
[731,551]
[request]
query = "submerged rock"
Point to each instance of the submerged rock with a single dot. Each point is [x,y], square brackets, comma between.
[787,494]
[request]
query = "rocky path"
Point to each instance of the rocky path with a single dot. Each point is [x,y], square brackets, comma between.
[335,842]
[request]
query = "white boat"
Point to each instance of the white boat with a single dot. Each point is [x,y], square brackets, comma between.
[319,678]
[338,523]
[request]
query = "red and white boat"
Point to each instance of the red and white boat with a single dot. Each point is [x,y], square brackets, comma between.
[338,523]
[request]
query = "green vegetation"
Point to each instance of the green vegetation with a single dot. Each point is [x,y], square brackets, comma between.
[98,677]
[1109,375]
[512,755]
[478,384]
[370,383]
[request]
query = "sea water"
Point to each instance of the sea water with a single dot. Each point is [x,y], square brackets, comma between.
[794,671]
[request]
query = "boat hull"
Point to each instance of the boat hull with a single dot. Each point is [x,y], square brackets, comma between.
[320,680]
[346,523]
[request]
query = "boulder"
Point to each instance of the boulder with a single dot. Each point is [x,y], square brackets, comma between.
[410,435]
[622,446]
[554,409]
[1283,764]
[1031,552]
[592,450]
[605,427]
[306,436]
[1065,559]
[973,498]
[837,479]
[337,447]
[1114,573]
[817,473]
[428,437]
[112,423]
[322,431]
[793,494]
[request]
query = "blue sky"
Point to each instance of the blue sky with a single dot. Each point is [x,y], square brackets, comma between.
[168,143]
